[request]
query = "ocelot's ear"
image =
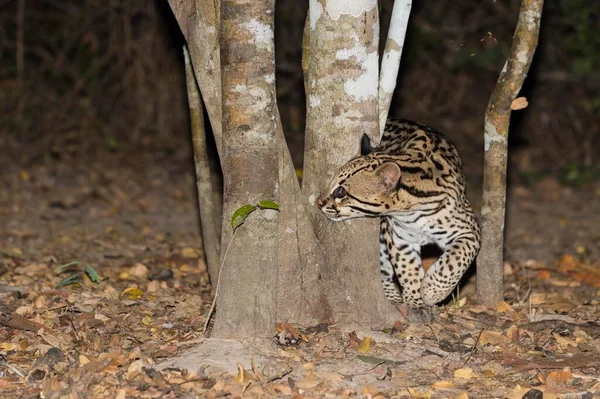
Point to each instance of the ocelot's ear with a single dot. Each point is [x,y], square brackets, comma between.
[365,145]
[388,175]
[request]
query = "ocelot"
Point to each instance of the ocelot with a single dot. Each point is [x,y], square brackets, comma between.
[415,183]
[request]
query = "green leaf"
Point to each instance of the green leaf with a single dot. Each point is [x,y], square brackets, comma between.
[76,266]
[268,204]
[72,279]
[92,273]
[239,216]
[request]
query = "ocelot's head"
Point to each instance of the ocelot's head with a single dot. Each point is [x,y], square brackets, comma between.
[364,186]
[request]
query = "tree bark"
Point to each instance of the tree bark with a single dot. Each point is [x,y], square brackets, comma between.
[206,204]
[246,303]
[490,262]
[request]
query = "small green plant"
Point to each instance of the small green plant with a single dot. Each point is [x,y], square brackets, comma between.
[456,297]
[242,213]
[77,270]
[237,219]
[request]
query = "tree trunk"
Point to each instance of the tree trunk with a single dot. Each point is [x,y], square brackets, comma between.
[342,97]
[246,301]
[490,261]
[206,205]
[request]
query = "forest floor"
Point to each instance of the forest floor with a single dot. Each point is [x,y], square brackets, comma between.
[134,220]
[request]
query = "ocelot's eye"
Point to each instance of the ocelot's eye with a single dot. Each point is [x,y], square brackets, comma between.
[339,192]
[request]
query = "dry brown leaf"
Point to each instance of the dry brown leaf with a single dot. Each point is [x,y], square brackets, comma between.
[61,341]
[461,395]
[513,333]
[243,377]
[543,275]
[558,380]
[284,389]
[366,344]
[369,391]
[287,327]
[153,287]
[110,293]
[588,274]
[138,270]
[519,103]
[466,373]
[83,360]
[190,253]
[564,342]
[132,293]
[426,394]
[443,384]
[134,369]
[493,338]
[308,382]
[568,263]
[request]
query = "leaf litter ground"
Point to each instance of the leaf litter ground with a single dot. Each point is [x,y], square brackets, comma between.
[138,333]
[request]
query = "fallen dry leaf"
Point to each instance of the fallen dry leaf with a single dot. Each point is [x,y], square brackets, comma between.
[138,270]
[366,344]
[493,338]
[308,382]
[419,394]
[443,384]
[519,103]
[284,389]
[513,333]
[287,327]
[132,293]
[465,373]
[558,380]
[243,377]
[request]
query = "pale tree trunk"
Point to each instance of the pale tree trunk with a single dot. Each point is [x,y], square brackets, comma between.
[390,63]
[293,266]
[490,262]
[342,103]
[250,166]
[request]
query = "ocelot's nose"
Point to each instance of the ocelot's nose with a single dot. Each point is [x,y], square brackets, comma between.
[320,203]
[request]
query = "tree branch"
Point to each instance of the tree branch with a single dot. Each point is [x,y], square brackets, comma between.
[390,63]
[497,118]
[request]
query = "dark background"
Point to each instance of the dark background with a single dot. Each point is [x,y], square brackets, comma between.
[109,74]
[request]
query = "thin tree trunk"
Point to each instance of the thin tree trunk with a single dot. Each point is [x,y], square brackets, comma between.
[206,205]
[20,46]
[199,20]
[490,288]
[391,57]
[246,304]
